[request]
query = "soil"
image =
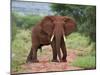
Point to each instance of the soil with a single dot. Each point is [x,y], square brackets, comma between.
[45,64]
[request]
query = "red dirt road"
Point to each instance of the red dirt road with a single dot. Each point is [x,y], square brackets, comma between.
[45,64]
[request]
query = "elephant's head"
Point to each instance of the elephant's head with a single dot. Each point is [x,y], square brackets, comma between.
[57,26]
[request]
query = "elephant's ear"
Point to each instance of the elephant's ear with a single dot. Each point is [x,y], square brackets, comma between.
[47,24]
[69,26]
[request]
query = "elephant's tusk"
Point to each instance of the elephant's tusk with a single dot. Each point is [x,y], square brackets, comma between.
[64,38]
[52,38]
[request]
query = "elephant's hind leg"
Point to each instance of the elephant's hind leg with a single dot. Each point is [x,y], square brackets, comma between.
[64,52]
[29,57]
[32,57]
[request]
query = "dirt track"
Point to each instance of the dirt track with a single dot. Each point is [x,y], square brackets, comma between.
[45,64]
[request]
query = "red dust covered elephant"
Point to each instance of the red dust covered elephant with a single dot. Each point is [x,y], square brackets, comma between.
[51,30]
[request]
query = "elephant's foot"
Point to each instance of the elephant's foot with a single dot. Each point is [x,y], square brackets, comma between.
[35,61]
[63,60]
[55,60]
[32,61]
[28,61]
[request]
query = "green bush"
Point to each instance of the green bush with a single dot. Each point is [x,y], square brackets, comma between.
[86,62]
[20,48]
[77,41]
[81,44]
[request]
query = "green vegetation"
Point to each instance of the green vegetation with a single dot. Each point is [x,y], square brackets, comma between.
[77,41]
[80,43]
[86,62]
[25,21]
[20,48]
[14,30]
[86,55]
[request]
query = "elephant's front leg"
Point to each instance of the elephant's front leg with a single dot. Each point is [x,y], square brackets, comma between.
[32,57]
[54,51]
[63,48]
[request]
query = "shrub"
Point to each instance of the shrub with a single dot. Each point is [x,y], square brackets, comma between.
[20,47]
[77,41]
[80,44]
[86,62]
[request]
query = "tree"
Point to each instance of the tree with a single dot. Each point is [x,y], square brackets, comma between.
[89,24]
[84,15]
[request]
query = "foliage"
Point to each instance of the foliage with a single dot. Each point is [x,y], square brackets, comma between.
[59,11]
[86,62]
[26,21]
[14,28]
[20,48]
[80,44]
[84,15]
[90,23]
[77,41]
[14,31]
[85,52]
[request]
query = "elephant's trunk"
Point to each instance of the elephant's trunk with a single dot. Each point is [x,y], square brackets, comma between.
[58,34]
[58,41]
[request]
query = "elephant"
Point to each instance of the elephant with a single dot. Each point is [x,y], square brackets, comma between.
[51,31]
